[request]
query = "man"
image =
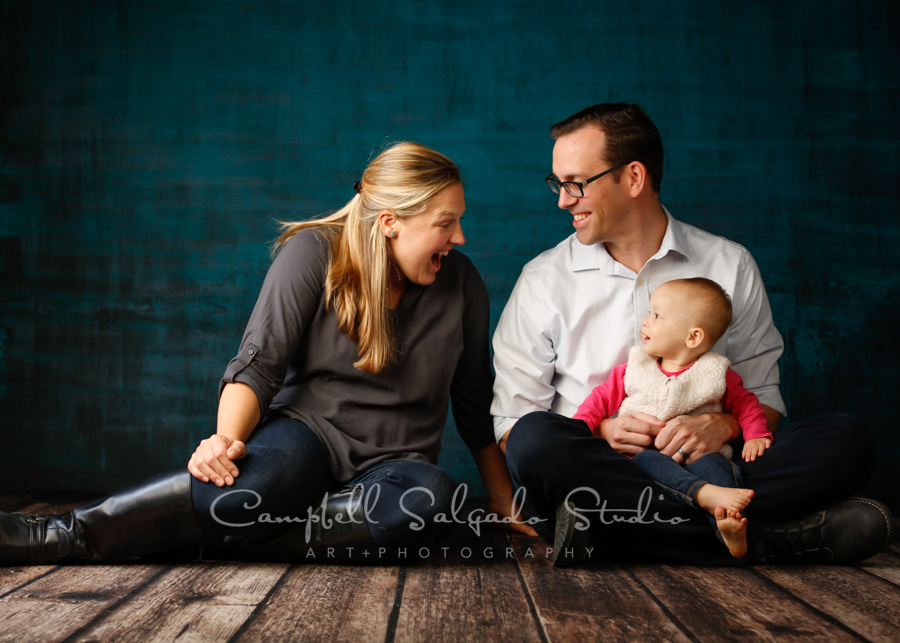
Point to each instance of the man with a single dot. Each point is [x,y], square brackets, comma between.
[573,315]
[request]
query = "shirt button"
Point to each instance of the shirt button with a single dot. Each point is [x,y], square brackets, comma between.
[250,352]
[640,282]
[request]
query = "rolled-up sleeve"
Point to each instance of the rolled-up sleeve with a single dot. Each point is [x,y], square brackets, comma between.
[288,300]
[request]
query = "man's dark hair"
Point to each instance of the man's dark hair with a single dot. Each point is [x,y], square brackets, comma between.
[630,136]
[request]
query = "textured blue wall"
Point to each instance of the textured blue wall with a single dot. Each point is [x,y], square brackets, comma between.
[147,147]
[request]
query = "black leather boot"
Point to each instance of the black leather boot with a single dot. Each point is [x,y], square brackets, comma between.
[151,517]
[336,532]
[843,533]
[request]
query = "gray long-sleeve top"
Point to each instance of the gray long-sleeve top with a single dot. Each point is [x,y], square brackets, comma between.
[299,364]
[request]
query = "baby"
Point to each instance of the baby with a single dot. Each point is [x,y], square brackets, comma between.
[673,373]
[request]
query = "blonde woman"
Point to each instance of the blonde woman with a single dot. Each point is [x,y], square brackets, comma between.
[331,414]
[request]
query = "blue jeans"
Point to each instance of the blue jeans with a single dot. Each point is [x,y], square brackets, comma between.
[811,464]
[285,475]
[682,482]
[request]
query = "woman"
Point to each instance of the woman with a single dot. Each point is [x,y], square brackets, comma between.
[330,415]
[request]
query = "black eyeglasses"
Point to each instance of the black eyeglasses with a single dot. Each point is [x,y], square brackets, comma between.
[576,188]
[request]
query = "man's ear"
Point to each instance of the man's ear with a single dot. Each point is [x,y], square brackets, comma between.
[387,221]
[695,338]
[636,178]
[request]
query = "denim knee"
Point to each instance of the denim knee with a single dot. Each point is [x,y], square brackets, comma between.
[413,504]
[840,442]
[525,437]
[430,496]
[284,472]
[537,435]
[858,444]
[718,470]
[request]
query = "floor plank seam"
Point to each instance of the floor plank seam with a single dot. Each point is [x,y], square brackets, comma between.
[262,603]
[881,578]
[823,615]
[394,618]
[529,599]
[29,582]
[106,613]
[673,618]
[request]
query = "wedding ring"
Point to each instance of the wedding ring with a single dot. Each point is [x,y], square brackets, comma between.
[683,452]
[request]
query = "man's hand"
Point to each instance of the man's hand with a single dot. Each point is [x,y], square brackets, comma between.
[687,438]
[630,434]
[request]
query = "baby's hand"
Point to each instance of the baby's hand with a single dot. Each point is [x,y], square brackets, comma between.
[755,448]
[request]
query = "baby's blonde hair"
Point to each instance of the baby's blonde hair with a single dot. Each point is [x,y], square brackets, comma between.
[712,305]
[402,179]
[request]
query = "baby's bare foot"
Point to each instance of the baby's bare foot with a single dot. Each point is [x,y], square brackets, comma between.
[709,496]
[733,529]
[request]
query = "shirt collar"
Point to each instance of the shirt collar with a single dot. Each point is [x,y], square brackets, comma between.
[674,240]
[596,257]
[675,373]
[592,257]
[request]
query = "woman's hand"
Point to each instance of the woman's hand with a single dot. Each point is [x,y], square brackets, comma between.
[492,466]
[238,415]
[214,459]
[507,509]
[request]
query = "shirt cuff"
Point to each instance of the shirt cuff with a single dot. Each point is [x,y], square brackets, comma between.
[502,425]
[771,396]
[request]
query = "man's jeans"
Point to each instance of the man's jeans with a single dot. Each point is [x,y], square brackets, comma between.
[285,475]
[810,464]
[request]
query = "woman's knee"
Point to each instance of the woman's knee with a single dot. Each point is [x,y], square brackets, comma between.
[281,455]
[284,472]
[414,505]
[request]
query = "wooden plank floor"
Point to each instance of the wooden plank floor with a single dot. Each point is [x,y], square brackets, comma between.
[496,587]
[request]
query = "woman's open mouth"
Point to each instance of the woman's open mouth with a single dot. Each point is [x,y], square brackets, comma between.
[436,259]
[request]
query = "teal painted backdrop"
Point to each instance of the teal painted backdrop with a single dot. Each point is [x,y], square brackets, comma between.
[146,149]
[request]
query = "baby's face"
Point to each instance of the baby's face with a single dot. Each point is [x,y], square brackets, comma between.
[665,330]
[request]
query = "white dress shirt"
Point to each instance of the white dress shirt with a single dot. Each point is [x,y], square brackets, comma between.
[575,312]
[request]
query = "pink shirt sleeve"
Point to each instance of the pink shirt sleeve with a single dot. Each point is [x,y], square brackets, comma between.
[604,400]
[745,408]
